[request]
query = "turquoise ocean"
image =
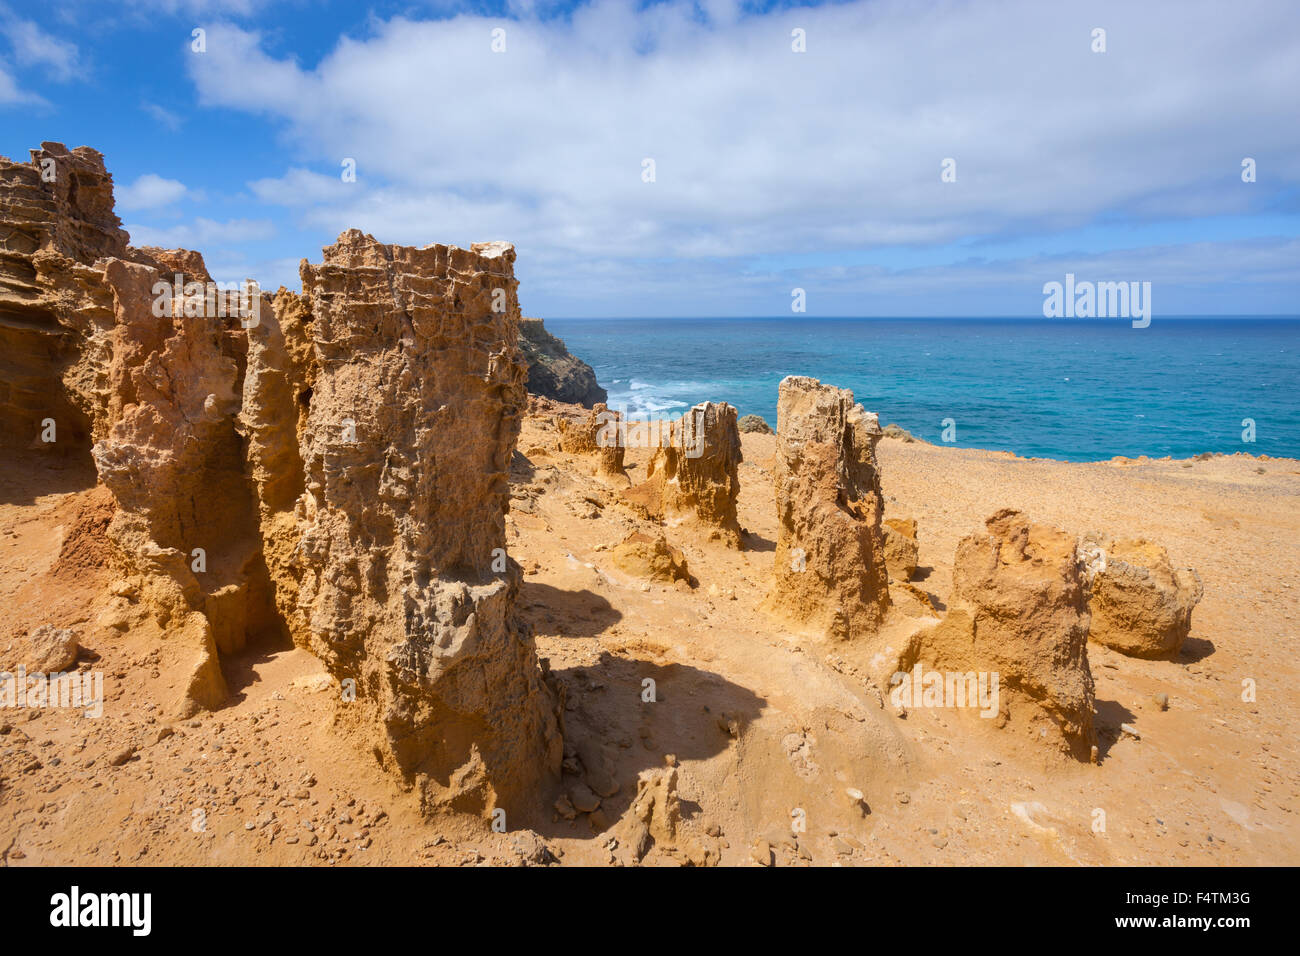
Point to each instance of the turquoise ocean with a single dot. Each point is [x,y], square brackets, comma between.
[1070,389]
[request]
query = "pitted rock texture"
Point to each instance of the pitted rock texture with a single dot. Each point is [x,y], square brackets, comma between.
[1019,609]
[1141,604]
[553,372]
[656,823]
[692,479]
[830,575]
[382,408]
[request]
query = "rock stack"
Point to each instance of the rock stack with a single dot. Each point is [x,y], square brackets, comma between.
[830,575]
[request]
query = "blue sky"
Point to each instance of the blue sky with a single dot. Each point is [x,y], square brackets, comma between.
[774,169]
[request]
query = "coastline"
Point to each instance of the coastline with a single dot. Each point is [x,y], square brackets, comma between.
[1061,389]
[1119,460]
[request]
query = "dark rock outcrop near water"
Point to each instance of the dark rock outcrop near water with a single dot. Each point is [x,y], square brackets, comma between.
[553,372]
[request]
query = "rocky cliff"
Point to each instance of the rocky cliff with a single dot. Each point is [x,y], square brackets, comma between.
[552,371]
[313,498]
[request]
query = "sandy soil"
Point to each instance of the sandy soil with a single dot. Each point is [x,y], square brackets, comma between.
[768,728]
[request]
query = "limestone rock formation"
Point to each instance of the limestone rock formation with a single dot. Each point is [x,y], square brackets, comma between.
[362,510]
[175,466]
[830,573]
[56,313]
[754,424]
[552,371]
[1141,604]
[382,408]
[1018,609]
[655,822]
[901,547]
[598,435]
[651,557]
[899,432]
[693,477]
[92,355]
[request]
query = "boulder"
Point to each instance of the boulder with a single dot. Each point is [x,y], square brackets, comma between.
[1140,603]
[650,557]
[51,650]
[1018,610]
[754,424]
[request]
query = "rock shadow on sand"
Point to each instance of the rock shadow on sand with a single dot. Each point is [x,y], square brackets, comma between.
[609,723]
[551,610]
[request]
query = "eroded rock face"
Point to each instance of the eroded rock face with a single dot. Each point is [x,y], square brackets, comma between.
[175,466]
[901,547]
[553,372]
[382,408]
[1141,605]
[692,478]
[92,359]
[655,822]
[598,436]
[1018,609]
[830,573]
[56,314]
[363,509]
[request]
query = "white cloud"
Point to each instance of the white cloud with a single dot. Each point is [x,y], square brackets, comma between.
[163,115]
[208,8]
[761,151]
[32,46]
[302,187]
[270,274]
[9,92]
[149,192]
[201,233]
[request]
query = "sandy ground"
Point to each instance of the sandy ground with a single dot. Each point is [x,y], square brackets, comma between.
[768,728]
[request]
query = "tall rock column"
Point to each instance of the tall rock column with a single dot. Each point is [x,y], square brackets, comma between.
[830,568]
[382,409]
[173,461]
